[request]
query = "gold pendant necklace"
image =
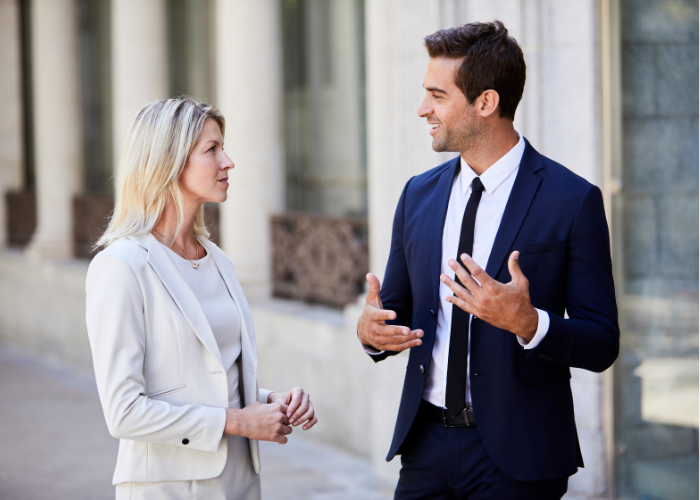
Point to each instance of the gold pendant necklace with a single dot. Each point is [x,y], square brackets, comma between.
[195,263]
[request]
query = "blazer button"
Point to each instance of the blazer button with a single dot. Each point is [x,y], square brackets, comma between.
[185,441]
[422,369]
[432,313]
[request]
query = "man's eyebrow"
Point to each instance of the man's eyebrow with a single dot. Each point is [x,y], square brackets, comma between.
[435,89]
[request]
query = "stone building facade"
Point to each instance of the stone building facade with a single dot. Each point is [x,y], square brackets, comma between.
[320,98]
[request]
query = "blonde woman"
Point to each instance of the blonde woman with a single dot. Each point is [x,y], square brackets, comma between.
[170,330]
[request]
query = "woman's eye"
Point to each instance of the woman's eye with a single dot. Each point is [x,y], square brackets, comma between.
[213,148]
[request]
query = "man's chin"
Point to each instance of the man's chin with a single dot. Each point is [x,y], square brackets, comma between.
[441,146]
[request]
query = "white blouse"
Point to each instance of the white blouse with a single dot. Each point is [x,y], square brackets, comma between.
[221,312]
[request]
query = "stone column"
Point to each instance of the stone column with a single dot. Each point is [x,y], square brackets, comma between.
[250,94]
[139,61]
[11,156]
[58,123]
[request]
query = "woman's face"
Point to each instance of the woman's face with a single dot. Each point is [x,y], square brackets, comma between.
[205,177]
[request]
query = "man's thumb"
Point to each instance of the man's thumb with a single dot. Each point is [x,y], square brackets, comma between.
[514,266]
[373,295]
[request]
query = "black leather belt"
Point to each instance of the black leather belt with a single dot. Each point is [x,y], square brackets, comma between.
[431,412]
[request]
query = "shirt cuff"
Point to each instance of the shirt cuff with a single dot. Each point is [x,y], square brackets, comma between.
[371,350]
[542,329]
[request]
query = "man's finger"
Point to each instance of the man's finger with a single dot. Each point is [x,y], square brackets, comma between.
[380,314]
[458,289]
[389,334]
[400,347]
[373,294]
[476,271]
[465,278]
[393,331]
[463,305]
[401,343]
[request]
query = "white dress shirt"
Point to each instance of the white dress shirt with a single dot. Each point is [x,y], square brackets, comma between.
[498,182]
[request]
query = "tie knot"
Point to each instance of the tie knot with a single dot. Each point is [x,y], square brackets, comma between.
[477,186]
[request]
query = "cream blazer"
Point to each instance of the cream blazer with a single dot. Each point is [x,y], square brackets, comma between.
[159,372]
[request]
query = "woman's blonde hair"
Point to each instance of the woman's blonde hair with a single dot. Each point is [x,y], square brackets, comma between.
[153,157]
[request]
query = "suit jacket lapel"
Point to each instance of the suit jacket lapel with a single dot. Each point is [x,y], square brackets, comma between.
[521,196]
[438,212]
[249,352]
[181,293]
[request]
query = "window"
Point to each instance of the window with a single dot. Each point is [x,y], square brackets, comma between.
[656,399]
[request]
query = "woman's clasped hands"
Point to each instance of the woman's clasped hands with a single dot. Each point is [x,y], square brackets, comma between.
[272,421]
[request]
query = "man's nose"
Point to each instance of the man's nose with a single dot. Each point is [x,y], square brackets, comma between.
[425,110]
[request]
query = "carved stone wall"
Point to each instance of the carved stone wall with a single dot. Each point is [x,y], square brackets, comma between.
[91,213]
[317,259]
[21,217]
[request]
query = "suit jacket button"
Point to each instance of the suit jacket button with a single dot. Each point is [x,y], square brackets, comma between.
[185,441]
[422,369]
[432,313]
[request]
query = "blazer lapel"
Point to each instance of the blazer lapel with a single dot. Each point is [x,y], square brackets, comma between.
[249,350]
[521,196]
[181,293]
[438,212]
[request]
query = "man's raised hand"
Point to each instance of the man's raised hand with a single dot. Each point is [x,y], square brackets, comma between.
[506,306]
[378,335]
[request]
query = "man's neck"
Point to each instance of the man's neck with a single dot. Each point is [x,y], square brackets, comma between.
[489,148]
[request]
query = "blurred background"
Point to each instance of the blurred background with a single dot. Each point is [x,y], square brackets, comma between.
[320,99]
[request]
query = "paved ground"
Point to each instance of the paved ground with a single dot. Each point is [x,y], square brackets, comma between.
[54,444]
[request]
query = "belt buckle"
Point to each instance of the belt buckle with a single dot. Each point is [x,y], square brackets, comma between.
[462,414]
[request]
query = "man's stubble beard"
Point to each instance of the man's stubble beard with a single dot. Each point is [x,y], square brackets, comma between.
[458,139]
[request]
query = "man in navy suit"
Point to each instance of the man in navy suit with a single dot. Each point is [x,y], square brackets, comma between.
[486,410]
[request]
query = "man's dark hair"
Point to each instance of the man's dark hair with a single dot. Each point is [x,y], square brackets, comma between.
[492,60]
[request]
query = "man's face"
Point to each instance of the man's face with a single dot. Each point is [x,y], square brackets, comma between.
[454,121]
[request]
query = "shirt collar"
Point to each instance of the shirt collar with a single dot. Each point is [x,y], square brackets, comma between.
[496,173]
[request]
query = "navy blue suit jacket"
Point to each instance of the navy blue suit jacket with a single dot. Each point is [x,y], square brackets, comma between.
[521,398]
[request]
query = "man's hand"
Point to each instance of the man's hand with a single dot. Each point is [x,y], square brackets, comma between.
[504,306]
[375,333]
[299,406]
[258,421]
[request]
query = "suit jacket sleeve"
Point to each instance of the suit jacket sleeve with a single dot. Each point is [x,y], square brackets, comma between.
[590,338]
[116,329]
[396,292]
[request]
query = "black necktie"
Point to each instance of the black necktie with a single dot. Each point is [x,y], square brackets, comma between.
[455,391]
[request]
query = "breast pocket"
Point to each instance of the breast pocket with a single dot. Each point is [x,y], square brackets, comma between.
[547,246]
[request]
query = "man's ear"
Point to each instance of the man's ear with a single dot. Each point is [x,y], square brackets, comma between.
[487,103]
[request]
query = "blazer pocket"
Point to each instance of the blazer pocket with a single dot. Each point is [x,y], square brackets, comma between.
[167,392]
[546,374]
[548,246]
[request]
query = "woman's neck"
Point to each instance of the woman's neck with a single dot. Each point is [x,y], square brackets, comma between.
[167,226]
